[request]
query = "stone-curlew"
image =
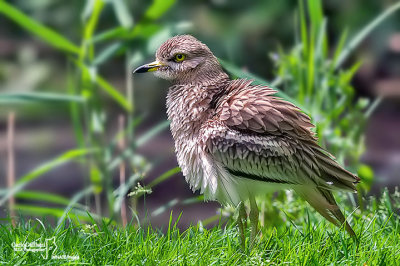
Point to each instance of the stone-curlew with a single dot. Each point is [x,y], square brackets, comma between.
[234,140]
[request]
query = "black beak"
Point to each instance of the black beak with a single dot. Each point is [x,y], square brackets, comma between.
[154,66]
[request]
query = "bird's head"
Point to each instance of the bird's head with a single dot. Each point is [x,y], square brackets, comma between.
[183,59]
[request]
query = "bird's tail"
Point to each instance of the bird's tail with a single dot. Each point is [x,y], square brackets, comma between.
[334,174]
[323,201]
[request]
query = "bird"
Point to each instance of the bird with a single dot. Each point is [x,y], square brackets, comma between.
[235,141]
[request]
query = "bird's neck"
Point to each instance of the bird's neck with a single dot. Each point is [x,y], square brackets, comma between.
[208,73]
[190,105]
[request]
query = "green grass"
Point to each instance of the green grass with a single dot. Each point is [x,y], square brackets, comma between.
[304,240]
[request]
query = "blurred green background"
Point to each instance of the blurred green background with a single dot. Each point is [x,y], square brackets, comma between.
[82,118]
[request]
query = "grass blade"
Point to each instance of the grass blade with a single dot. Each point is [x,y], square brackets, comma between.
[164,208]
[91,23]
[44,168]
[158,8]
[42,196]
[151,133]
[108,88]
[108,34]
[77,197]
[116,95]
[164,177]
[107,53]
[373,107]
[303,28]
[39,97]
[364,33]
[340,45]
[57,212]
[122,13]
[46,34]
[123,189]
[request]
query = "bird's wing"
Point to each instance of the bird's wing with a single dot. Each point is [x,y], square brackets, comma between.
[258,136]
[261,137]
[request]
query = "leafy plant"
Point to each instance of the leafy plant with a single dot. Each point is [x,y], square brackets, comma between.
[99,155]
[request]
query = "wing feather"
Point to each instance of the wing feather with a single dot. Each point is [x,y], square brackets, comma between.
[272,138]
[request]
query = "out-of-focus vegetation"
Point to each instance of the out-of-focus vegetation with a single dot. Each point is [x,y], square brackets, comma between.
[313,73]
[87,93]
[303,48]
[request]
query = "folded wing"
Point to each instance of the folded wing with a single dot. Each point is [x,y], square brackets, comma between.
[262,137]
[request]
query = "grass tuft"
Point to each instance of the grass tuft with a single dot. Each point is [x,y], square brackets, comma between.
[312,241]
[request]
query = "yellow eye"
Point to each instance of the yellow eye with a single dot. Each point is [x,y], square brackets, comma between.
[179,57]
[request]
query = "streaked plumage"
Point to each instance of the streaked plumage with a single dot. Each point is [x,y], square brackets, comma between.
[234,140]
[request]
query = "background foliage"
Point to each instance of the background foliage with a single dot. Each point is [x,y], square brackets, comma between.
[75,70]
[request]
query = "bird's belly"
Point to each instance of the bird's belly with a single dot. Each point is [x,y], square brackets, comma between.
[215,182]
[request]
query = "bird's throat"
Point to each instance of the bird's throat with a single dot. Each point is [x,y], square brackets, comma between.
[188,107]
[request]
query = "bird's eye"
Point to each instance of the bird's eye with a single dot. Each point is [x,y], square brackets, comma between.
[179,57]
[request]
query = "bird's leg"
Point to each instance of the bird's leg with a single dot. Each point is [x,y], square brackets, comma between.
[241,221]
[253,220]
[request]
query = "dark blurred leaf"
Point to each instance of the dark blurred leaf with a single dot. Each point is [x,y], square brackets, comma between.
[366,174]
[158,8]
[140,30]
[362,103]
[303,28]
[363,33]
[388,203]
[315,13]
[108,88]
[116,95]
[165,207]
[91,23]
[193,200]
[44,168]
[38,97]
[41,211]
[108,52]
[211,219]
[164,177]
[136,159]
[75,215]
[46,34]
[123,189]
[96,179]
[109,34]
[42,196]
[75,199]
[151,133]
[340,45]
[373,107]
[87,10]
[143,30]
[122,13]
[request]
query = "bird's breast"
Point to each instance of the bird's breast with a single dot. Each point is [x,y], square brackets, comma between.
[188,109]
